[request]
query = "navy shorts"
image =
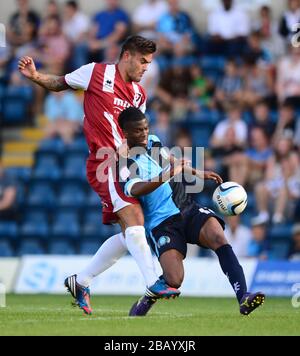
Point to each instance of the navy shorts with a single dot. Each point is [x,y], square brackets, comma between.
[179,230]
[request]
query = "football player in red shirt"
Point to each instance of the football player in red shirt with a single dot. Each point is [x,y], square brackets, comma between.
[109,89]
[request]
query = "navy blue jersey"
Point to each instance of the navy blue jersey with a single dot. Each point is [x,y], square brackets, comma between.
[181,199]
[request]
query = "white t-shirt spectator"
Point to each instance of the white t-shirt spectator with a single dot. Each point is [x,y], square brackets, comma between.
[229,24]
[78,25]
[239,240]
[240,129]
[288,78]
[148,14]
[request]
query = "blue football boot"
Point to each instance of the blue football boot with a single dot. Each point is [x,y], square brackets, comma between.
[160,289]
[79,293]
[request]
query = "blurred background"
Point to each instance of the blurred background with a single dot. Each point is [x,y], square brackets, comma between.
[226,77]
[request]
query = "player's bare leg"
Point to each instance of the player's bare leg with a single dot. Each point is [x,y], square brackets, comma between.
[131,215]
[171,263]
[111,251]
[132,218]
[212,236]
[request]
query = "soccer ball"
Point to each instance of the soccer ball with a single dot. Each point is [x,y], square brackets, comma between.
[230,199]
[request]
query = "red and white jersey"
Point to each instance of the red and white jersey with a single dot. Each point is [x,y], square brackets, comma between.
[106,96]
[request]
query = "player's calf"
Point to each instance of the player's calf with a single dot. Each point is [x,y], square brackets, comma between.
[171,262]
[173,280]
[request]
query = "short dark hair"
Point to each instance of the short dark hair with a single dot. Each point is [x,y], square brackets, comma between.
[287,104]
[131,114]
[266,8]
[262,102]
[72,4]
[138,44]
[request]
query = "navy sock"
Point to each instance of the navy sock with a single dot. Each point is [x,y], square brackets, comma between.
[233,270]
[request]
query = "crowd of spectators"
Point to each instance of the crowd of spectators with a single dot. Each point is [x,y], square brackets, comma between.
[240,77]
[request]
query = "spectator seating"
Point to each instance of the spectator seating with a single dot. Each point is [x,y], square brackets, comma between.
[89,247]
[279,250]
[30,247]
[8,229]
[16,103]
[61,248]
[35,224]
[41,194]
[6,249]
[66,225]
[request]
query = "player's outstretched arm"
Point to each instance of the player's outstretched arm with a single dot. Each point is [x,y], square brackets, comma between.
[188,169]
[147,187]
[203,174]
[47,81]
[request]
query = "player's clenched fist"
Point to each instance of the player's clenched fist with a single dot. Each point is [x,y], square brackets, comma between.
[27,67]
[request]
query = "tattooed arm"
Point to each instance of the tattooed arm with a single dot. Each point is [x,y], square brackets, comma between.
[50,82]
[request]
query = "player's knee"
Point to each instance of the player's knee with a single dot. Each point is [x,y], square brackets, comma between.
[214,235]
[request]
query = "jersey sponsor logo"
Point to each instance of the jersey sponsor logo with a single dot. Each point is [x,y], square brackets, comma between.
[163,240]
[120,104]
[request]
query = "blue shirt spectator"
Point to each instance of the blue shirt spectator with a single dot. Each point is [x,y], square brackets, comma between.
[259,156]
[176,24]
[230,86]
[107,20]
[259,247]
[65,106]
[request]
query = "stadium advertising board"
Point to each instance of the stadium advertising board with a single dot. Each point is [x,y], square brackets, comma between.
[276,279]
[203,277]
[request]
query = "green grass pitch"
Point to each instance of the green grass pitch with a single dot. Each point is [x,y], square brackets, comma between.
[53,315]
